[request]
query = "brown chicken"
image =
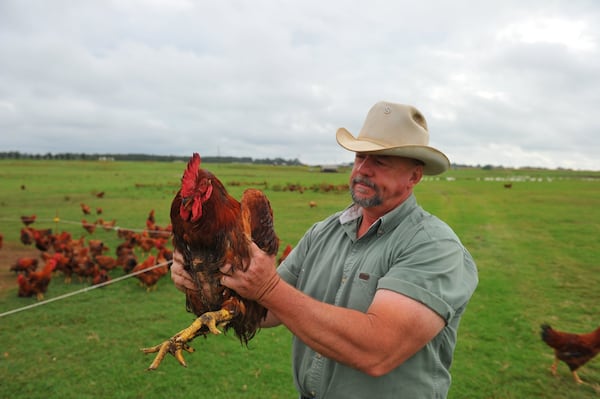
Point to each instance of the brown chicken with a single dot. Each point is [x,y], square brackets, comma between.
[88,226]
[26,236]
[42,238]
[25,265]
[99,276]
[27,220]
[61,241]
[62,260]
[145,242]
[150,220]
[151,277]
[154,230]
[106,224]
[105,262]
[85,208]
[210,229]
[126,257]
[573,349]
[97,247]
[37,282]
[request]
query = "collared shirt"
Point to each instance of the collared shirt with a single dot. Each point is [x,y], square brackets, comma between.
[408,251]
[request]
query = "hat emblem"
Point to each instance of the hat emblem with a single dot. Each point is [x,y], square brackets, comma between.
[387,109]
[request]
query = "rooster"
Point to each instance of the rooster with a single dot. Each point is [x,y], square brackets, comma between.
[211,229]
[573,349]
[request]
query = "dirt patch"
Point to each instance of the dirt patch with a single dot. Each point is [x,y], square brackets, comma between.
[9,253]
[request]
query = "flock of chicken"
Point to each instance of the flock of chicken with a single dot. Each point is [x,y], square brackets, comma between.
[89,260]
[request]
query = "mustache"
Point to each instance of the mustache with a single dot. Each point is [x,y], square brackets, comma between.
[365,181]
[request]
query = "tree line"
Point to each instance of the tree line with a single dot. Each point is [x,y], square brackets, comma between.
[144,157]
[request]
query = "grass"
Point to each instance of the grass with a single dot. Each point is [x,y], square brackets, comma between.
[535,246]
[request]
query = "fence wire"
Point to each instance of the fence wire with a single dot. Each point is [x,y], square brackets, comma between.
[81,291]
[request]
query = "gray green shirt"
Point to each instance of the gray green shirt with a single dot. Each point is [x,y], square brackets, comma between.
[408,251]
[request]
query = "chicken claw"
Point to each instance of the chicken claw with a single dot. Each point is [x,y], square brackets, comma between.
[179,342]
[171,346]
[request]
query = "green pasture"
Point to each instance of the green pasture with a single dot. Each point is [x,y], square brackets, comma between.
[536,247]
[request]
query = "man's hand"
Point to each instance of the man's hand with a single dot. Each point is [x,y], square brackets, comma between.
[257,281]
[180,277]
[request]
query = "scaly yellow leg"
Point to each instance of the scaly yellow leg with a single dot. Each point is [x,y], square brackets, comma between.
[179,342]
[576,378]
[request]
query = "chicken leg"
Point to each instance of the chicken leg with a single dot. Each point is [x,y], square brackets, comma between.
[573,372]
[179,342]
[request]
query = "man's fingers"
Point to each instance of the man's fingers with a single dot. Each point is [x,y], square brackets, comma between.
[227,269]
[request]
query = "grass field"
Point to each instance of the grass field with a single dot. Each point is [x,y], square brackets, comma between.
[536,247]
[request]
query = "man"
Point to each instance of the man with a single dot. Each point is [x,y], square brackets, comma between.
[373,294]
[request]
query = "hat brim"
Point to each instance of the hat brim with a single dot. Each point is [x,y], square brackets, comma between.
[435,161]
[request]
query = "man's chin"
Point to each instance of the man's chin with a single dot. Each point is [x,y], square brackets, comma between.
[366,202]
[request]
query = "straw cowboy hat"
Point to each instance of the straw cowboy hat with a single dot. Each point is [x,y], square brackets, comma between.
[398,130]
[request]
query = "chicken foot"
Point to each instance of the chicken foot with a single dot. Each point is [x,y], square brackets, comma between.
[576,377]
[179,342]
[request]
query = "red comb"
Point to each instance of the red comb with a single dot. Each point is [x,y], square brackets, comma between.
[189,176]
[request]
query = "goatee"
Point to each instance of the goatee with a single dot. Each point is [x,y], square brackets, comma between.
[375,200]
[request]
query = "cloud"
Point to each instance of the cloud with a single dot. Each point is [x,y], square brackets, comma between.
[513,85]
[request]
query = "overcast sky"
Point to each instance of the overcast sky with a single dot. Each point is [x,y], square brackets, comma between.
[512,83]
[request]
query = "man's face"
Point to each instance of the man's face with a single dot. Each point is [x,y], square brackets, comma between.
[382,181]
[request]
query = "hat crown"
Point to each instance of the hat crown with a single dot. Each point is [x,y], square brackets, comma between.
[391,125]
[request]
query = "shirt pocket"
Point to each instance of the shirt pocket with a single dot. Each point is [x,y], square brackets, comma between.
[362,291]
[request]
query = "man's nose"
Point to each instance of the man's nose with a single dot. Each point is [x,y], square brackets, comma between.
[363,165]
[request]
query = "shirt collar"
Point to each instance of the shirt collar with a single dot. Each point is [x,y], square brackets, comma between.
[351,213]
